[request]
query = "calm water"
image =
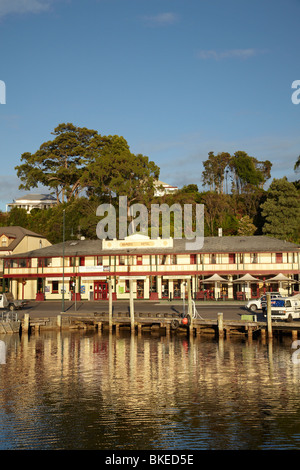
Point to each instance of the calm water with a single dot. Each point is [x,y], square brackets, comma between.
[101,391]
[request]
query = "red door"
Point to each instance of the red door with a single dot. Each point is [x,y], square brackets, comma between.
[100,290]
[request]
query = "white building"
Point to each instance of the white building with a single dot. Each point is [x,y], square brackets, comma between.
[33,201]
[162,188]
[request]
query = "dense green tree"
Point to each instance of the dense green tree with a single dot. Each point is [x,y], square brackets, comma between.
[245,172]
[246,226]
[59,163]
[248,171]
[18,216]
[214,171]
[281,210]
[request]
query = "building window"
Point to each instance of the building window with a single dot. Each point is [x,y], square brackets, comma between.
[122,260]
[162,259]
[54,287]
[278,257]
[173,259]
[4,242]
[213,258]
[193,259]
[127,286]
[23,263]
[99,260]
[44,262]
[72,261]
[139,260]
[231,258]
[253,257]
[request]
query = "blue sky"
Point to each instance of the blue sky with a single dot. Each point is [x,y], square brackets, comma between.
[175,78]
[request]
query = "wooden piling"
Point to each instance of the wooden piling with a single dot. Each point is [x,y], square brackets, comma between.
[294,334]
[250,332]
[110,305]
[131,305]
[59,321]
[220,325]
[269,319]
[26,322]
[190,308]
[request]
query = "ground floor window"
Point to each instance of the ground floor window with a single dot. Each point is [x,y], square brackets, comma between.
[54,287]
[165,289]
[140,289]
[177,288]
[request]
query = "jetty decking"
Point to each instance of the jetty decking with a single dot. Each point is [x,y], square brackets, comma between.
[164,323]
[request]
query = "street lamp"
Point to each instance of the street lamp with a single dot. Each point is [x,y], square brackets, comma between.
[63,290]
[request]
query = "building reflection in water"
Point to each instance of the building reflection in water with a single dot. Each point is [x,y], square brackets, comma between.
[98,391]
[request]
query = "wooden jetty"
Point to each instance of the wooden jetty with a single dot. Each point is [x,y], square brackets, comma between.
[164,323]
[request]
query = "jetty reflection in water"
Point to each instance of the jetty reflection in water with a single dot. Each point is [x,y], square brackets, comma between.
[101,391]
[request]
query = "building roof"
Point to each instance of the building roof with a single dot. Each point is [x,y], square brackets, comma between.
[211,245]
[36,197]
[18,233]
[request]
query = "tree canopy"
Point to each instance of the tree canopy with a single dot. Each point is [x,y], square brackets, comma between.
[281,210]
[245,172]
[81,160]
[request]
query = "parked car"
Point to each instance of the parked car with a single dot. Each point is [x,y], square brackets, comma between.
[261,303]
[7,301]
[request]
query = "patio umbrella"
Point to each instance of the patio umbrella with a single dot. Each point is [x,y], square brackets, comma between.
[215,278]
[280,278]
[247,279]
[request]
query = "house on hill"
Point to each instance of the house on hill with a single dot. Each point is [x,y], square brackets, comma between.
[33,201]
[162,188]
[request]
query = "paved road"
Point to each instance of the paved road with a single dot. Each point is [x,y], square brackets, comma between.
[209,310]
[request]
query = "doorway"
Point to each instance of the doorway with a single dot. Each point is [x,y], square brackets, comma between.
[100,290]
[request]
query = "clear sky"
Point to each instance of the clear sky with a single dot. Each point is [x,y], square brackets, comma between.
[175,78]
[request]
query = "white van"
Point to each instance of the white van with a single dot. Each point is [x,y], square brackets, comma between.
[287,308]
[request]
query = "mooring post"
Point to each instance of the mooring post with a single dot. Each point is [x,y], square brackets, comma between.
[26,323]
[131,305]
[190,307]
[110,305]
[220,325]
[269,319]
[59,321]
